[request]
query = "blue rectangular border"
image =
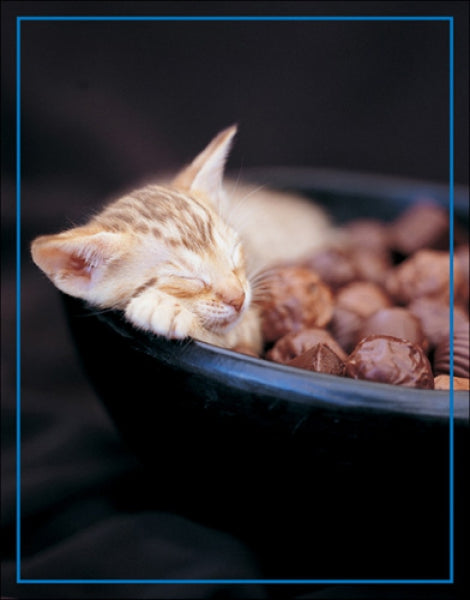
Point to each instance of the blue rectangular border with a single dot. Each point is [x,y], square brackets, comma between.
[19,20]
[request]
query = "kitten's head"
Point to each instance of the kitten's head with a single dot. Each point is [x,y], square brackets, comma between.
[170,237]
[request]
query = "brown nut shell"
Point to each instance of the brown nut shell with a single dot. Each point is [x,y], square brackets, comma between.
[461,350]
[295,298]
[462,261]
[344,327]
[434,316]
[387,359]
[369,234]
[397,322]
[423,225]
[370,265]
[321,359]
[334,266]
[362,298]
[355,302]
[294,344]
[424,274]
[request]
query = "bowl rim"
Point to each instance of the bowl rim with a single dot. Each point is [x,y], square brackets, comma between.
[300,386]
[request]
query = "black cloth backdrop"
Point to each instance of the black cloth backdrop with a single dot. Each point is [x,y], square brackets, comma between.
[105,106]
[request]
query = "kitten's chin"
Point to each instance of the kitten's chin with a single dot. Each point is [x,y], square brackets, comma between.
[222,325]
[244,331]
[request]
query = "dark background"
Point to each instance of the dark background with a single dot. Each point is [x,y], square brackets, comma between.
[104,107]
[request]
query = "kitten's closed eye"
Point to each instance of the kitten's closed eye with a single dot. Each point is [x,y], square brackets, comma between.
[183,285]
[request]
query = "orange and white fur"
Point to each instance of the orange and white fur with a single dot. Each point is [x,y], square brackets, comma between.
[183,259]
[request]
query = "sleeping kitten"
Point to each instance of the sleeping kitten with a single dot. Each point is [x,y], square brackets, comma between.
[178,258]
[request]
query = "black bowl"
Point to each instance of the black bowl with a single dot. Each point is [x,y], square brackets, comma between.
[323,477]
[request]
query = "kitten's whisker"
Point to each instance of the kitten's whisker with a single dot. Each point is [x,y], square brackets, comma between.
[94,312]
[244,199]
[261,268]
[262,285]
[186,342]
[241,206]
[261,289]
[262,275]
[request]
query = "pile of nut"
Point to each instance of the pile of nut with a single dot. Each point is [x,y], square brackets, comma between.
[376,305]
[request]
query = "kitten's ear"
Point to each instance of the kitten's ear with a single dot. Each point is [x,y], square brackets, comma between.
[76,259]
[206,172]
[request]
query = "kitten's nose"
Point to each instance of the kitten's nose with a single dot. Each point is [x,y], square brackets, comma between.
[233,296]
[237,301]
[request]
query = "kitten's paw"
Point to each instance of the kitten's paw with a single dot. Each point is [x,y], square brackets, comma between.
[162,316]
